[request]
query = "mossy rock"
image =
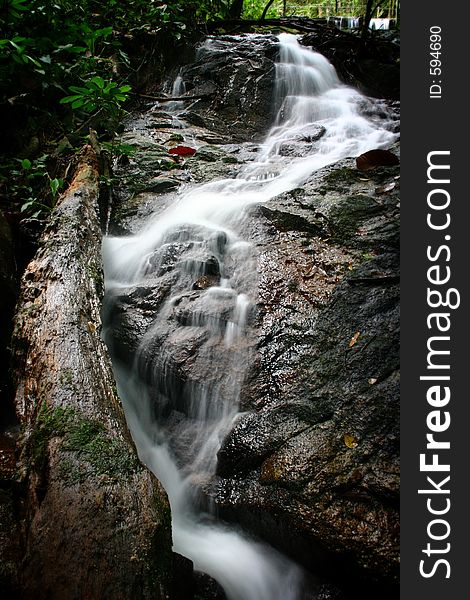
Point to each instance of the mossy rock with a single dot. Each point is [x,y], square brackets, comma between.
[348,214]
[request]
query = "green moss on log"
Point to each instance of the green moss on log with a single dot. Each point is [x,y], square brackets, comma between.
[87,447]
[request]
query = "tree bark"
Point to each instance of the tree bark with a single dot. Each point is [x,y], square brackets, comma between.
[236,9]
[367,18]
[266,8]
[96,523]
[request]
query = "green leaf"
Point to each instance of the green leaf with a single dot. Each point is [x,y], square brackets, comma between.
[55,185]
[26,163]
[68,99]
[26,205]
[79,90]
[89,106]
[104,32]
[19,49]
[125,88]
[33,60]
[98,81]
[79,102]
[18,4]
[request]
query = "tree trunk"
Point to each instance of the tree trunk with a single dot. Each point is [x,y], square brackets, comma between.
[236,9]
[266,8]
[96,523]
[367,18]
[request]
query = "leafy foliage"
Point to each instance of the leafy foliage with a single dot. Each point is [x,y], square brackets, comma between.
[64,66]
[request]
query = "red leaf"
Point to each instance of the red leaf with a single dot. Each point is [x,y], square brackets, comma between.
[182,151]
[376,158]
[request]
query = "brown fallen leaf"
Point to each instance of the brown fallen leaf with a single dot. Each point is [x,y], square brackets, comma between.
[354,339]
[376,158]
[350,441]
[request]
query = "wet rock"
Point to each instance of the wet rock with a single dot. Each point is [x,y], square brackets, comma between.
[311,134]
[213,153]
[205,282]
[374,68]
[133,311]
[206,588]
[239,80]
[303,143]
[313,465]
[182,585]
[200,264]
[195,119]
[256,434]
[296,149]
[160,185]
[160,123]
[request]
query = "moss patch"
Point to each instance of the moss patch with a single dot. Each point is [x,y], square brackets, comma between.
[50,422]
[89,450]
[350,213]
[97,452]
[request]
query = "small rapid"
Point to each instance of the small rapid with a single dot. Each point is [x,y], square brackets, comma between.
[178,425]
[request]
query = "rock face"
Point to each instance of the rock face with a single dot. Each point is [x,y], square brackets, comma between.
[235,76]
[312,465]
[95,522]
[374,68]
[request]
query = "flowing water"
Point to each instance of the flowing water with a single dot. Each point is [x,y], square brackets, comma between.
[178,423]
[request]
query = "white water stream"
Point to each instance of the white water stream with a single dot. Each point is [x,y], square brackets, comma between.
[205,219]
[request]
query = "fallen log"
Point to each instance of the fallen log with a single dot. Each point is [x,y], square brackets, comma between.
[95,522]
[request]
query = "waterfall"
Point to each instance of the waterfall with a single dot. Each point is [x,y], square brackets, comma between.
[383,24]
[177,90]
[206,323]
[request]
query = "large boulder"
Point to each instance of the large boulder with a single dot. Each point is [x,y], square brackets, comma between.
[235,82]
[312,465]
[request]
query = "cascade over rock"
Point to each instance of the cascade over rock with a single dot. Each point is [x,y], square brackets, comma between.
[312,463]
[253,316]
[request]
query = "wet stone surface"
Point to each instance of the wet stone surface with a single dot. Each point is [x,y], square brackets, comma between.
[312,463]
